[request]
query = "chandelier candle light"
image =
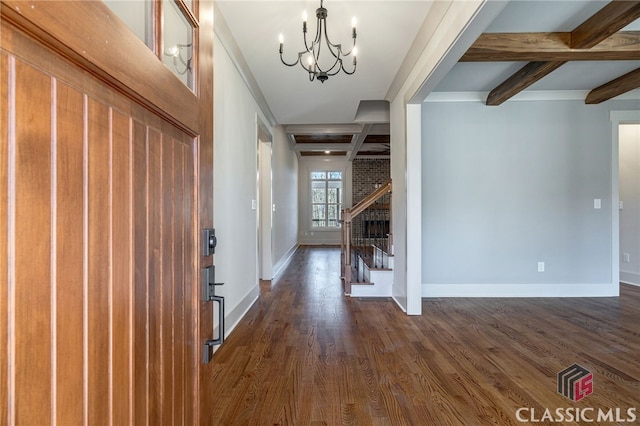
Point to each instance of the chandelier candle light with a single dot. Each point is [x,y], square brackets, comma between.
[311,54]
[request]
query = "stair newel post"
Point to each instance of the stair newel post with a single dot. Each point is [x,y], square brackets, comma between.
[390,239]
[347,257]
[341,243]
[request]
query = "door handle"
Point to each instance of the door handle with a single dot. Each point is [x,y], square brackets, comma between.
[209,344]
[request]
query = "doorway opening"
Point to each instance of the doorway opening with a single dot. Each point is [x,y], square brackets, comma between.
[265,204]
[629,201]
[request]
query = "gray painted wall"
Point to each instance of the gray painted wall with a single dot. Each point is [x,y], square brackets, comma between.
[507,187]
[630,197]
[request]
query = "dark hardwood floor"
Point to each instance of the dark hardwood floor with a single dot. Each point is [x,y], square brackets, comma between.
[306,355]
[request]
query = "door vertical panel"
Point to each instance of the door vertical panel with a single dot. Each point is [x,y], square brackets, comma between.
[155,230]
[5,107]
[141,277]
[69,248]
[168,279]
[179,297]
[192,353]
[98,279]
[32,314]
[122,282]
[204,189]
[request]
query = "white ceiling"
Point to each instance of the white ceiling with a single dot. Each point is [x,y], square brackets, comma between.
[386,29]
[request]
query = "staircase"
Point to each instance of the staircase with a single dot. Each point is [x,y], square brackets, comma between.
[367,261]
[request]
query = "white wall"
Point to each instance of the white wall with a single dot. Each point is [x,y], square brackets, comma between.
[307,235]
[399,200]
[629,154]
[285,197]
[507,187]
[235,186]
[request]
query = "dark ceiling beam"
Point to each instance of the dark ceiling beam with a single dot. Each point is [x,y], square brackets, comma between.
[322,138]
[519,81]
[322,147]
[510,47]
[609,20]
[629,81]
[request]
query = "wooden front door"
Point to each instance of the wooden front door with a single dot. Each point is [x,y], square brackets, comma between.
[104,187]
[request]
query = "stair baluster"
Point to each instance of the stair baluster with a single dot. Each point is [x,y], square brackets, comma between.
[366,235]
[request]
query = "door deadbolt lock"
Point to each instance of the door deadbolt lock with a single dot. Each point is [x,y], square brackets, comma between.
[209,242]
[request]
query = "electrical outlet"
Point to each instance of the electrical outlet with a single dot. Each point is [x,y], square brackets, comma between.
[626,257]
[540,266]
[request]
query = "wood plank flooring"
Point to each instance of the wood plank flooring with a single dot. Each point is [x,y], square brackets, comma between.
[306,355]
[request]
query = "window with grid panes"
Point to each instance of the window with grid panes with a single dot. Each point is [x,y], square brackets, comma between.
[326,199]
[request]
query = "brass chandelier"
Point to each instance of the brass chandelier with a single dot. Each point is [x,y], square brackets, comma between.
[309,58]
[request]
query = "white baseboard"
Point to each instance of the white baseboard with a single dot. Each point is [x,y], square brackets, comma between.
[520,290]
[632,278]
[284,260]
[395,299]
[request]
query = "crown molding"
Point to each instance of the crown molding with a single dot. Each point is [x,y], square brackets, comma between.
[229,43]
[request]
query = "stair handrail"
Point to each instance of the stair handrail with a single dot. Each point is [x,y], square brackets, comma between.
[367,201]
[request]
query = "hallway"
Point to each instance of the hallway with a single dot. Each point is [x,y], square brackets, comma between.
[305,354]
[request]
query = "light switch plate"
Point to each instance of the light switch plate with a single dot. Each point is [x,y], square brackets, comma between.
[597,203]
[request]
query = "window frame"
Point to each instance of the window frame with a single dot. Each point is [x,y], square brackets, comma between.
[326,203]
[156,37]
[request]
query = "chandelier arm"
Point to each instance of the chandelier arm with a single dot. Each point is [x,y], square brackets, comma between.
[331,46]
[316,55]
[350,50]
[347,72]
[317,43]
[337,65]
[293,64]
